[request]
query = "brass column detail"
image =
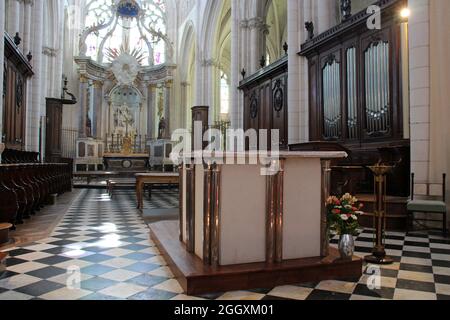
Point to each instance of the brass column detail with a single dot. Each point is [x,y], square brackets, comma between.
[207,214]
[190,208]
[270,219]
[180,199]
[274,215]
[215,223]
[326,190]
[279,214]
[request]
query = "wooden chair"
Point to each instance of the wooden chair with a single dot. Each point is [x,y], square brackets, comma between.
[429,199]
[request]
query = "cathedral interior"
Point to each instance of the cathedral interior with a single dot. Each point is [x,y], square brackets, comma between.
[108,104]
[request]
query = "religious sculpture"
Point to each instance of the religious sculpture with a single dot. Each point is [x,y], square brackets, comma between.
[162,128]
[88,126]
[310,28]
[346,9]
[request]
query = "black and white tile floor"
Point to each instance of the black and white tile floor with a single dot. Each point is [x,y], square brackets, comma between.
[108,242]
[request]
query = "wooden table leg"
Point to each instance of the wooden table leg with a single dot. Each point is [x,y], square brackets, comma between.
[139,190]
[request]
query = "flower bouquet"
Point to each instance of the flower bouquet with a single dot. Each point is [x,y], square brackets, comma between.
[343,214]
[342,217]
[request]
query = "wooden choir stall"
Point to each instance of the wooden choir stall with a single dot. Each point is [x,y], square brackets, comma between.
[26,184]
[240,228]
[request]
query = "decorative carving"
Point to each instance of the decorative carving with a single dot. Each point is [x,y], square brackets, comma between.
[50,52]
[310,28]
[98,84]
[19,92]
[125,64]
[285,48]
[346,9]
[262,62]
[162,128]
[29,56]
[278,98]
[253,106]
[243,73]
[17,39]
[330,59]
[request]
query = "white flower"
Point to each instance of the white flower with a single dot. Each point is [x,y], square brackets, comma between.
[354,217]
[348,206]
[359,212]
[344,217]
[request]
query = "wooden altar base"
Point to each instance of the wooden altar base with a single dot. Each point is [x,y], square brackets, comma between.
[196,278]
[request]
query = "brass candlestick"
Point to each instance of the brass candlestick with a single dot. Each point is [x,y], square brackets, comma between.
[379,253]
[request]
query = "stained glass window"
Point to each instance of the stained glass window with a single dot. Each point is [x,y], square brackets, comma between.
[128,24]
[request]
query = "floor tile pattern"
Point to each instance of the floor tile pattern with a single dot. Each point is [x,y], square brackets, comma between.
[101,250]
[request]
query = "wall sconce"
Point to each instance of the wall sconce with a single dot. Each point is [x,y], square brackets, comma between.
[405,13]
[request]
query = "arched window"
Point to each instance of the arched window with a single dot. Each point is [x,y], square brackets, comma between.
[224,93]
[125,25]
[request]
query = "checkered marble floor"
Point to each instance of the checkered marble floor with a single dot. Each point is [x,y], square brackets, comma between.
[105,244]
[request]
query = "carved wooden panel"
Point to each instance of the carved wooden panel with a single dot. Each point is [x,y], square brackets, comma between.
[53,131]
[16,73]
[265,101]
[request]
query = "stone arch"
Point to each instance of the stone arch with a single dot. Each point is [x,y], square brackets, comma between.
[187,71]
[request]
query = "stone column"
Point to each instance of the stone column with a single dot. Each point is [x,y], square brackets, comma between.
[258,34]
[419,69]
[26,37]
[97,121]
[83,106]
[244,46]
[13,17]
[151,101]
[2,50]
[293,22]
[37,106]
[235,94]
[209,67]
[167,105]
[324,15]
[184,123]
[21,23]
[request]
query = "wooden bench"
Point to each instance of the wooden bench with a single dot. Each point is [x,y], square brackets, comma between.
[90,175]
[119,182]
[143,179]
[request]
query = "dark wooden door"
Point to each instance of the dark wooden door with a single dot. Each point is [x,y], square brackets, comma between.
[53,131]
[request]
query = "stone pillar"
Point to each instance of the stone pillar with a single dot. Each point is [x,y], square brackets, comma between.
[184,123]
[235,94]
[257,41]
[419,68]
[209,68]
[97,121]
[151,101]
[2,50]
[26,37]
[83,106]
[324,15]
[38,96]
[293,23]
[13,17]
[167,105]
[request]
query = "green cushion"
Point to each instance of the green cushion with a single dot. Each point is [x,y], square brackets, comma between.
[427,206]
